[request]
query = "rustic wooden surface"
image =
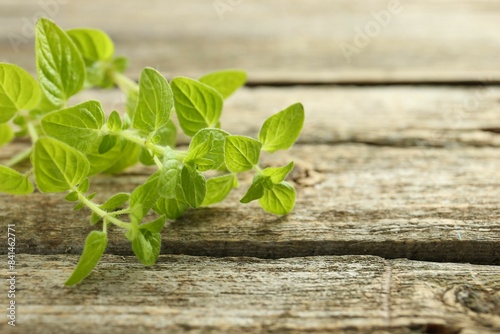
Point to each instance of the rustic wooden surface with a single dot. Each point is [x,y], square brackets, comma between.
[397,223]
[438,205]
[248,295]
[284,41]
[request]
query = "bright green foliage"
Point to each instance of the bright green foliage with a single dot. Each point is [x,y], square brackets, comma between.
[225,82]
[278,174]
[70,143]
[194,186]
[94,248]
[93,44]
[6,134]
[58,167]
[218,188]
[146,246]
[242,153]
[280,199]
[59,64]
[198,106]
[14,182]
[155,102]
[18,91]
[77,126]
[281,130]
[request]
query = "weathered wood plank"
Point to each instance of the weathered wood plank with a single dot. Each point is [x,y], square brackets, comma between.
[432,204]
[281,41]
[351,294]
[392,116]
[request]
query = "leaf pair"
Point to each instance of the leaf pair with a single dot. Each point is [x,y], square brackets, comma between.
[199,103]
[274,194]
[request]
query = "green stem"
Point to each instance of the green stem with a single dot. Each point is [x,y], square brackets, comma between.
[32,132]
[106,216]
[131,136]
[125,84]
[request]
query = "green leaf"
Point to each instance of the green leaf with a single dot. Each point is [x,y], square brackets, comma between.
[72,196]
[146,194]
[128,156]
[278,174]
[169,177]
[194,186]
[94,248]
[18,91]
[113,203]
[173,208]
[146,247]
[197,105]
[241,153]
[259,184]
[100,162]
[218,188]
[60,66]
[226,82]
[93,44]
[114,121]
[14,182]
[281,130]
[216,152]
[6,134]
[83,187]
[107,143]
[155,102]
[199,149]
[155,226]
[58,166]
[280,199]
[77,126]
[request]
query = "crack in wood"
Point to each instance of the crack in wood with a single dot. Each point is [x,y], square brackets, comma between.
[386,288]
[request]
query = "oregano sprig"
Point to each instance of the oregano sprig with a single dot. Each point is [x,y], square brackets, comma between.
[70,143]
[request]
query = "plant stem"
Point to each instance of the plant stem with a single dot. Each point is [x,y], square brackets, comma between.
[124,83]
[32,132]
[106,216]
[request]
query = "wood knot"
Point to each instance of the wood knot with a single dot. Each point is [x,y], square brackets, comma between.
[478,300]
[304,174]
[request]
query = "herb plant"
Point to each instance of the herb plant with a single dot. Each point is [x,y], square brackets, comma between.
[72,143]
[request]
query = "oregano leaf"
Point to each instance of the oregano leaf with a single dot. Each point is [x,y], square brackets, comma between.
[78,126]
[278,174]
[194,186]
[197,105]
[18,91]
[94,248]
[216,152]
[59,64]
[14,182]
[218,188]
[241,153]
[281,130]
[256,190]
[146,246]
[155,102]
[280,199]
[155,226]
[6,134]
[226,82]
[58,166]
[93,44]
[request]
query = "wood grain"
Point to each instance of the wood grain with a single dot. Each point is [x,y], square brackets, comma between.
[349,294]
[432,204]
[383,116]
[283,41]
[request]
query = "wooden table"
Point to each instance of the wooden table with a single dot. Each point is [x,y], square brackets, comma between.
[397,223]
